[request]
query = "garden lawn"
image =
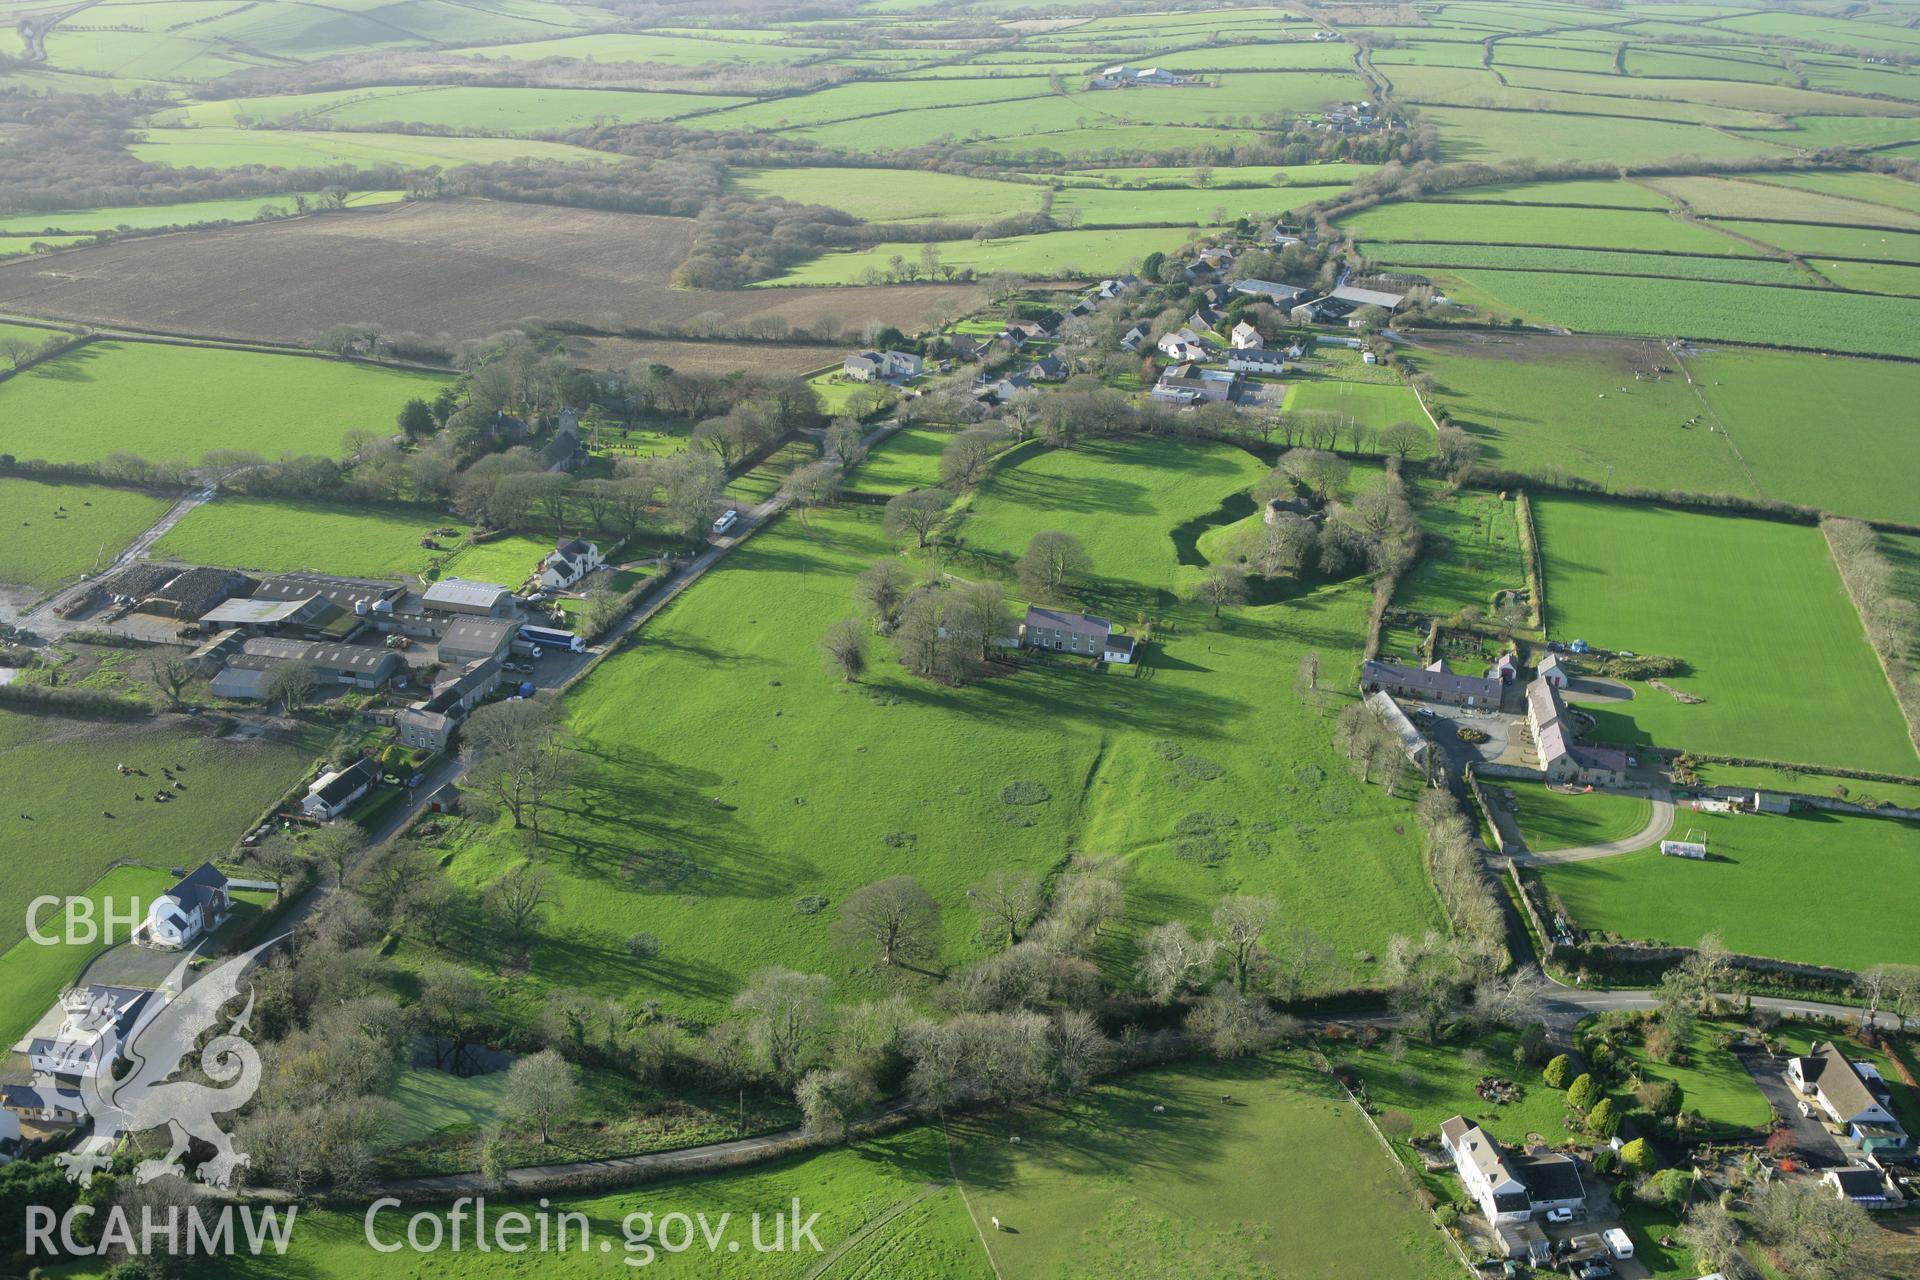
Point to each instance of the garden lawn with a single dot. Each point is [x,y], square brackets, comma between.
[1471,553]
[1765,888]
[1753,607]
[508,561]
[32,975]
[58,530]
[173,402]
[730,778]
[908,459]
[1713,1082]
[1432,1082]
[60,781]
[271,535]
[1108,1185]
[1556,820]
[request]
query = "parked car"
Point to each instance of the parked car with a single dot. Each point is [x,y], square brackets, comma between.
[1562,1214]
[726,522]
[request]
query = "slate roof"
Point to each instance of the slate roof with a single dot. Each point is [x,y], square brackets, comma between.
[1550,1177]
[1443,681]
[459,591]
[1838,1082]
[349,780]
[1078,624]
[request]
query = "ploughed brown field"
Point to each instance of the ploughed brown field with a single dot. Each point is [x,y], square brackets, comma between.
[703,355]
[461,268]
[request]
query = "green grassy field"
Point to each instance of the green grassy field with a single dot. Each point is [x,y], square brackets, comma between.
[1537,224]
[1075,254]
[1778,656]
[762,481]
[495,112]
[1555,820]
[1201,206]
[214,147]
[1816,319]
[1469,134]
[1376,404]
[61,781]
[725,698]
[1759,888]
[1610,192]
[1737,198]
[57,530]
[277,536]
[33,974]
[1536,403]
[167,215]
[1472,551]
[910,460]
[1587,262]
[1814,784]
[165,402]
[1107,1185]
[894,195]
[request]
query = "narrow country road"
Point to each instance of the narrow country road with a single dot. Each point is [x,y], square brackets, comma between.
[1658,824]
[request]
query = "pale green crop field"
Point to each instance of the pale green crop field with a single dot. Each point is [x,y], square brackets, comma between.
[894,195]
[1074,254]
[671,50]
[20,246]
[1734,198]
[222,148]
[1815,319]
[875,98]
[1469,134]
[1588,261]
[1542,225]
[1756,610]
[1333,173]
[1106,206]
[150,216]
[1610,192]
[465,108]
[1875,188]
[167,402]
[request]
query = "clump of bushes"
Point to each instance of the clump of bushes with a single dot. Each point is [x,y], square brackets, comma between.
[1643,667]
[811,904]
[1025,791]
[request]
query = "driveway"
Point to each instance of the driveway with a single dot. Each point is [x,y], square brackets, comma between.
[1815,1145]
[1658,824]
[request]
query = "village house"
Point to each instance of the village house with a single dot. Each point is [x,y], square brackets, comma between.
[1245,336]
[1205,317]
[430,723]
[1077,633]
[96,1021]
[1851,1094]
[334,792]
[197,904]
[1550,670]
[1134,338]
[1019,333]
[1435,682]
[882,366]
[963,346]
[1111,289]
[1000,390]
[1562,759]
[1051,369]
[1256,360]
[569,562]
[1512,1190]
[1185,345]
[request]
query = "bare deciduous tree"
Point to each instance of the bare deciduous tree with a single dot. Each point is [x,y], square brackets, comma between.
[893,920]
